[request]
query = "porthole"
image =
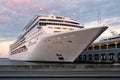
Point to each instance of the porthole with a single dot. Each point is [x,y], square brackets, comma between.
[69,41]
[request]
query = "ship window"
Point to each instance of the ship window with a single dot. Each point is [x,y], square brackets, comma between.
[96,57]
[110,46]
[104,47]
[71,29]
[43,20]
[56,27]
[58,17]
[50,27]
[118,45]
[55,20]
[90,48]
[39,28]
[42,24]
[64,28]
[111,56]
[70,41]
[57,31]
[96,48]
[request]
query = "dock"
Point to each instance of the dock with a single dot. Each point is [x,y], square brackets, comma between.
[22,70]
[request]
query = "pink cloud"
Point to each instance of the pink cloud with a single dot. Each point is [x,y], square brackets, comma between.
[30,6]
[21,6]
[20,1]
[4,48]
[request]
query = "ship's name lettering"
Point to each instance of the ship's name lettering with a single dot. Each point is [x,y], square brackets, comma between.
[31,43]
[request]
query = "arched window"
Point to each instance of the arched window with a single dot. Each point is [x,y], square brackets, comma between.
[90,48]
[111,46]
[90,57]
[104,47]
[96,56]
[111,56]
[103,56]
[96,48]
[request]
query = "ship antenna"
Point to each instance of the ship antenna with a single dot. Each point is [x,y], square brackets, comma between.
[40,10]
[98,18]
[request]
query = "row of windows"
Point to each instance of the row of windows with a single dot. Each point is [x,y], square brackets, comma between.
[98,57]
[21,39]
[31,28]
[15,45]
[19,50]
[31,22]
[61,24]
[52,20]
[110,46]
[56,31]
[44,24]
[62,28]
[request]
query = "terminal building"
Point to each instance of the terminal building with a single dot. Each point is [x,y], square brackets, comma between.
[106,50]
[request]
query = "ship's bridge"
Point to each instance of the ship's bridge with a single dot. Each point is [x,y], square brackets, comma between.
[44,20]
[57,18]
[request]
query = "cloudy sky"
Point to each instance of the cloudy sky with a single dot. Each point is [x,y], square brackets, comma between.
[15,14]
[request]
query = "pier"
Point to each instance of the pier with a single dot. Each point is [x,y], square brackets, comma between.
[60,71]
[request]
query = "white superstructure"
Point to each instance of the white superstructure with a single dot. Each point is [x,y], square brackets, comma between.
[52,38]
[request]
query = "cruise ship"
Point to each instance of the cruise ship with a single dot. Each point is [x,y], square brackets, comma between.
[54,39]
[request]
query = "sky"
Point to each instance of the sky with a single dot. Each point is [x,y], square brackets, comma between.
[15,14]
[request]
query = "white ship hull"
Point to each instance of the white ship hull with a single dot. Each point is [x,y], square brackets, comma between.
[59,47]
